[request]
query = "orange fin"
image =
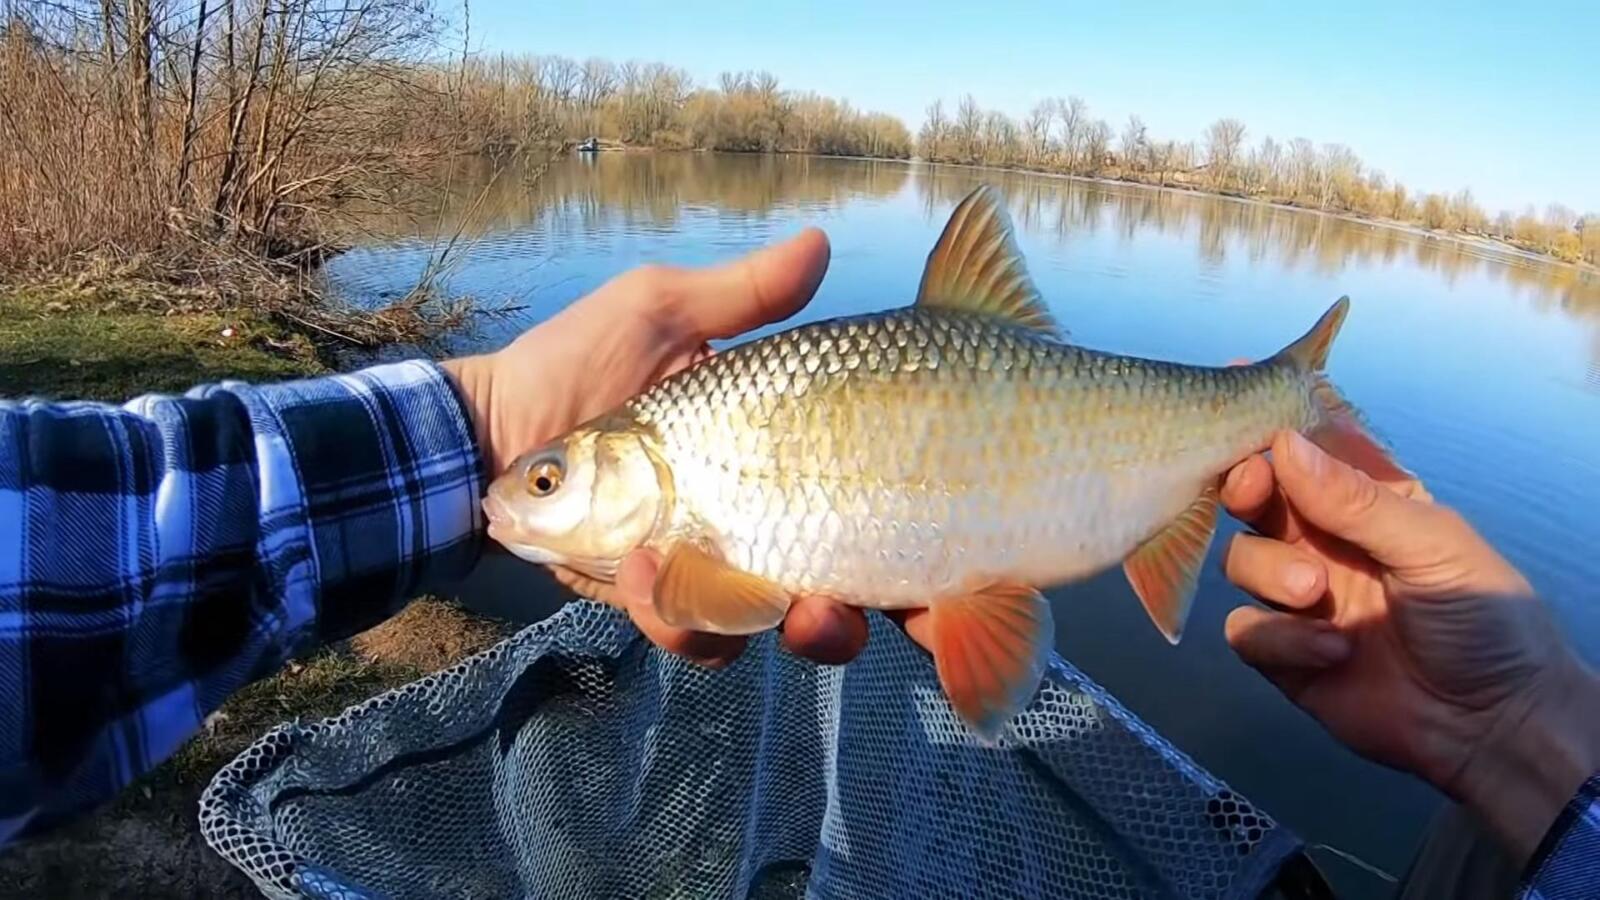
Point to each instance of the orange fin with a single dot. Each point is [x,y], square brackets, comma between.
[976,267]
[698,591]
[1342,433]
[990,648]
[1165,570]
[1310,352]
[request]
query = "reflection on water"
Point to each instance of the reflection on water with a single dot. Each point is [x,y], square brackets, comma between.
[1256,232]
[1481,366]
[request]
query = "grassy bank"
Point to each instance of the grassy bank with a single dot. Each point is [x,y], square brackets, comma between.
[96,343]
[111,340]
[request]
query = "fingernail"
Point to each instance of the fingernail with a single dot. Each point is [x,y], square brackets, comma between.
[1330,646]
[1232,477]
[1305,454]
[1301,579]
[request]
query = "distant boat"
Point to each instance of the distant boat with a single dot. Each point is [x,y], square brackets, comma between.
[589,146]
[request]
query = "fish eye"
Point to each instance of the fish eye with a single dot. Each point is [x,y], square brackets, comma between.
[544,477]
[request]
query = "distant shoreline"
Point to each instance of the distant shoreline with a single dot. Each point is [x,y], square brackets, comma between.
[1485,242]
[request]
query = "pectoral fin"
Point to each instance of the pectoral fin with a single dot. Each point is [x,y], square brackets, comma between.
[990,648]
[1165,570]
[698,591]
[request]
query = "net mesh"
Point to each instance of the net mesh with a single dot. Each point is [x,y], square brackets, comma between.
[576,760]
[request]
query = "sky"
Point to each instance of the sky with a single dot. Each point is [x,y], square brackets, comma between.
[1504,100]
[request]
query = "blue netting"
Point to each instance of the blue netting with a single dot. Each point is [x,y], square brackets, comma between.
[576,760]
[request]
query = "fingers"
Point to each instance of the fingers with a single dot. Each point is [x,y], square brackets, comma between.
[915,623]
[1248,488]
[635,579]
[1283,644]
[584,586]
[1348,504]
[759,288]
[824,631]
[1275,572]
[1251,494]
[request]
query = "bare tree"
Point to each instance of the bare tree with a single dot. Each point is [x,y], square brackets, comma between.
[935,130]
[1223,140]
[968,129]
[1341,176]
[1096,143]
[1263,171]
[1073,113]
[1133,144]
[1163,157]
[1039,131]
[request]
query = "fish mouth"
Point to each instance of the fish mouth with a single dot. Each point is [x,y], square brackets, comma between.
[494,509]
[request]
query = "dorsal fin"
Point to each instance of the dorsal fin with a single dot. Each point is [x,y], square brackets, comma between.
[976,267]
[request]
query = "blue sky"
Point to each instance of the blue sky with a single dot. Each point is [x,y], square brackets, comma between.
[1505,100]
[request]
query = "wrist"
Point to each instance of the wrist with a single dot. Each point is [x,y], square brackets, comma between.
[1535,758]
[473,379]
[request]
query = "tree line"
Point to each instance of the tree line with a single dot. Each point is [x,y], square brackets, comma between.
[514,100]
[141,124]
[653,104]
[1059,135]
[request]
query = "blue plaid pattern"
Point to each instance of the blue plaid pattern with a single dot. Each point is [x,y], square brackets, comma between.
[1567,862]
[157,557]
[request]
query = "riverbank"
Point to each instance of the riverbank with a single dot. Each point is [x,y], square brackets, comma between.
[110,340]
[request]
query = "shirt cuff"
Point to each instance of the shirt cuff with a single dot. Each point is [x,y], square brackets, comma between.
[1567,860]
[384,469]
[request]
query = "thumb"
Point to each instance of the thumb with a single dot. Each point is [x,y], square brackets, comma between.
[1348,504]
[759,288]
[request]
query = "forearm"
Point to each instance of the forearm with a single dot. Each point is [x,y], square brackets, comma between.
[1531,771]
[173,550]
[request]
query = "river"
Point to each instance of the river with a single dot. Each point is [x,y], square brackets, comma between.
[1481,367]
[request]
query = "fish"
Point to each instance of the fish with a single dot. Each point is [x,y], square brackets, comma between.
[958,454]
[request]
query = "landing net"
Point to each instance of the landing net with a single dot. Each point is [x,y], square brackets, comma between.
[576,760]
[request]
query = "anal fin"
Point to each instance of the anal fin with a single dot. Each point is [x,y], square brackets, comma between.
[700,592]
[1165,569]
[990,648]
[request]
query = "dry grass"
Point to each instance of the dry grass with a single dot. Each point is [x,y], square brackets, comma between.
[427,635]
[147,843]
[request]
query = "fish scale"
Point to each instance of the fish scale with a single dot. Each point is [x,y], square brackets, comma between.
[977,448]
[956,455]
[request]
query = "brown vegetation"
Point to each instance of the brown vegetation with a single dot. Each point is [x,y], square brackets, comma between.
[514,100]
[202,129]
[1059,136]
[139,125]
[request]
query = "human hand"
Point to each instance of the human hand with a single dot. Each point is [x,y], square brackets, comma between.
[636,329]
[1409,638]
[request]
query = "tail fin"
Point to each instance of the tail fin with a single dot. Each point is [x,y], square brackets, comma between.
[1310,352]
[1339,429]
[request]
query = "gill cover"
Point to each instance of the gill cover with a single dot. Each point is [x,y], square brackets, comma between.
[583,501]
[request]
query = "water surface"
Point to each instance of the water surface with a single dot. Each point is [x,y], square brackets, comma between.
[1481,367]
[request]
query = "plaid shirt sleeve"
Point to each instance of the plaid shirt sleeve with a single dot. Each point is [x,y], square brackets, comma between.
[157,557]
[1566,865]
